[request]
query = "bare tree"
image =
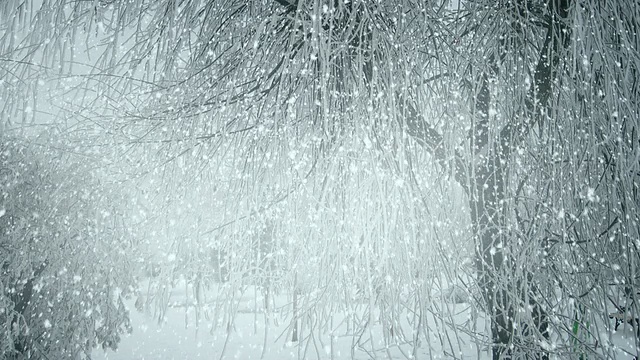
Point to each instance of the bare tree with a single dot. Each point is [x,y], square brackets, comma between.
[500,97]
[53,224]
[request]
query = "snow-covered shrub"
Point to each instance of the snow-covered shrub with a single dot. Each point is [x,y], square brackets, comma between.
[61,257]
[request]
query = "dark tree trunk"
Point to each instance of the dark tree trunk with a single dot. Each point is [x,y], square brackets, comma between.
[488,192]
[21,301]
[488,219]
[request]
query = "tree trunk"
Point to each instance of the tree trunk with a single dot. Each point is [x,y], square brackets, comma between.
[487,193]
[488,220]
[21,301]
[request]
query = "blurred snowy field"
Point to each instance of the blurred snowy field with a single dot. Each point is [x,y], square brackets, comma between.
[178,337]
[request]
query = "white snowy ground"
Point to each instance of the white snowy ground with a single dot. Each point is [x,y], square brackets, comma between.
[177,339]
[174,340]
